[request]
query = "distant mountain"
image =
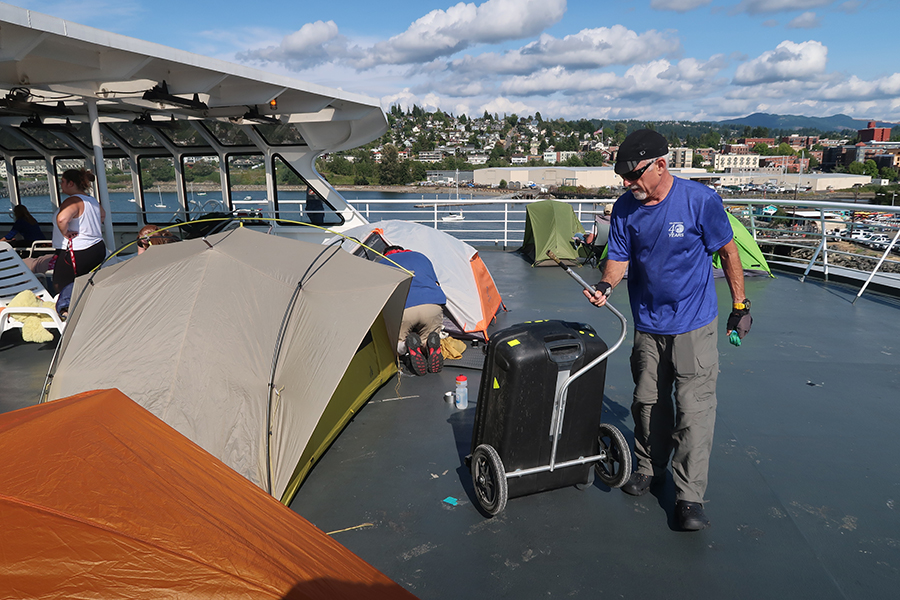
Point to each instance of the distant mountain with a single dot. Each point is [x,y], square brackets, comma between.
[832,123]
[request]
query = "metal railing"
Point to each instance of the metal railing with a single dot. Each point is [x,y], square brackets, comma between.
[794,234]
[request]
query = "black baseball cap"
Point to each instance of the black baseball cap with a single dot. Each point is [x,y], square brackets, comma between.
[639,145]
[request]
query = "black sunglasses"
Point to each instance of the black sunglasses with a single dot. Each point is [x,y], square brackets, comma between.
[637,173]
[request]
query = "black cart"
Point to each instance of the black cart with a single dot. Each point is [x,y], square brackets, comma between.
[537,421]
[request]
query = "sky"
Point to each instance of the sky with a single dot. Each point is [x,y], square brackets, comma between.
[689,60]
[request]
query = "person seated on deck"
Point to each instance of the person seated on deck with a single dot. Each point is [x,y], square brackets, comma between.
[150,235]
[423,316]
[25,226]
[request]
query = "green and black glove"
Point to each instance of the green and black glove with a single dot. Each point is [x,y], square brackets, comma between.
[739,322]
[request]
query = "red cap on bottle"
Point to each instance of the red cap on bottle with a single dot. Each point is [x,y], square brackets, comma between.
[461,378]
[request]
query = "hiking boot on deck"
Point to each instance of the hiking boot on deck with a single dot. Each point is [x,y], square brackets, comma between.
[690,516]
[417,359]
[637,484]
[435,358]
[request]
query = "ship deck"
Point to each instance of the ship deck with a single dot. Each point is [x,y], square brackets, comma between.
[804,480]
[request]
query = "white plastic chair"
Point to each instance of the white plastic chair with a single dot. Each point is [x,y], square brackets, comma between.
[41,247]
[16,277]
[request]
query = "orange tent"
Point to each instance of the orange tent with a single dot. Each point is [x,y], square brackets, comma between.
[102,499]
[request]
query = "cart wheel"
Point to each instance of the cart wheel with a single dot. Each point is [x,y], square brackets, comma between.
[614,468]
[489,479]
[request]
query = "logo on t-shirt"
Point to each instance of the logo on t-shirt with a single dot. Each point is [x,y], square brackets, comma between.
[676,229]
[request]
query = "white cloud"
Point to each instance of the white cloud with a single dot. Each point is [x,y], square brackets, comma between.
[850,7]
[446,32]
[678,5]
[501,106]
[589,48]
[807,20]
[688,78]
[311,45]
[886,88]
[758,7]
[691,69]
[788,61]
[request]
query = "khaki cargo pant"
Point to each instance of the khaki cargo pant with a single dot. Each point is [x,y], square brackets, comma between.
[423,319]
[689,363]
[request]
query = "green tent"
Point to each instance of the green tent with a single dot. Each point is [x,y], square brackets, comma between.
[550,225]
[751,256]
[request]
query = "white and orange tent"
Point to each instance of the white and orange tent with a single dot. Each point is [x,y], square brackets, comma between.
[101,499]
[472,296]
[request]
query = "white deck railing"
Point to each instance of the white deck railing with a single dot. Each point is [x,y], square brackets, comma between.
[808,236]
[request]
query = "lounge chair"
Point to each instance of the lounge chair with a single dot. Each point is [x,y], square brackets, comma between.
[16,277]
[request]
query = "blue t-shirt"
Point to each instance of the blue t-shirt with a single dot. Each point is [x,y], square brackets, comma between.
[424,287]
[669,247]
[29,232]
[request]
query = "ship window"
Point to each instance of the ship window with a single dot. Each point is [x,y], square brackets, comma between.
[296,200]
[45,138]
[284,134]
[228,134]
[83,134]
[247,185]
[134,135]
[203,185]
[11,142]
[185,135]
[33,185]
[160,200]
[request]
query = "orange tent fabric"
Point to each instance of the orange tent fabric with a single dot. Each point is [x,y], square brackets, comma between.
[101,499]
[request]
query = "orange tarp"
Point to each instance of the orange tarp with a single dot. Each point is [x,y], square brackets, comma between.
[101,499]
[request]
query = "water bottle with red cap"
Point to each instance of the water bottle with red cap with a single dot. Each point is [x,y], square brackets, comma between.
[462,392]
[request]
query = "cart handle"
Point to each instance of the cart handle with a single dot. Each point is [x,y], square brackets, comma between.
[561,392]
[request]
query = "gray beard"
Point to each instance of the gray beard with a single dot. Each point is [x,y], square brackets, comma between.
[639,195]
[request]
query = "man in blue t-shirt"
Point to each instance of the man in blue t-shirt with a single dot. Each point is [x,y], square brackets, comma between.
[664,230]
[423,316]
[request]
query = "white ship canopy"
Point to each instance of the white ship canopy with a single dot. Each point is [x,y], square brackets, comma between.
[51,69]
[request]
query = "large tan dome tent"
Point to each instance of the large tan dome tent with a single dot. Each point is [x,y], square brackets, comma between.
[256,347]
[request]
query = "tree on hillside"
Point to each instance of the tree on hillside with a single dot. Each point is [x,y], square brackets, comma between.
[856,168]
[871,168]
[761,149]
[593,159]
[710,139]
[392,171]
[784,149]
[889,173]
[620,132]
[418,171]
[340,165]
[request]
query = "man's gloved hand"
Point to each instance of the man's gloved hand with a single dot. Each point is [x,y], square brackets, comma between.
[739,322]
[604,288]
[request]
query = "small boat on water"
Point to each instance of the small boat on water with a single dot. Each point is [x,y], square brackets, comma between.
[454,217]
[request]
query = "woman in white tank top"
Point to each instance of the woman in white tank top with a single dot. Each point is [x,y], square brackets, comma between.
[78,233]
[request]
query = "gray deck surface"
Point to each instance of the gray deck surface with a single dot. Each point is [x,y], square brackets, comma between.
[804,492]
